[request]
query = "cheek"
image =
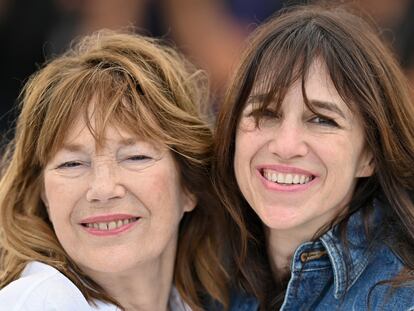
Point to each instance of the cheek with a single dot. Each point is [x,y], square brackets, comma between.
[51,193]
[341,157]
[242,144]
[61,198]
[247,145]
[163,194]
[239,158]
[245,150]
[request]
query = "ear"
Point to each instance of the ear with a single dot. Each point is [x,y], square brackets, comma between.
[366,166]
[190,201]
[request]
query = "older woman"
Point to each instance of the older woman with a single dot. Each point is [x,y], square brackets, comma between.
[314,162]
[105,200]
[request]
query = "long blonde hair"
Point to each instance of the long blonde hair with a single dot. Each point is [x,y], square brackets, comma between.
[138,84]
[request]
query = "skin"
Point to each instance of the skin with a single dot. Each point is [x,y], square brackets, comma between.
[126,176]
[328,148]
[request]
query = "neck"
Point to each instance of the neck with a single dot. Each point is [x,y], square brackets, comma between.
[145,287]
[281,247]
[282,244]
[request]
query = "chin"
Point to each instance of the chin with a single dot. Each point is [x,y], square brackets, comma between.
[278,225]
[280,221]
[108,264]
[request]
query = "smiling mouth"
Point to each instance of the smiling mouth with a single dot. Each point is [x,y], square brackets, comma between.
[286,179]
[110,225]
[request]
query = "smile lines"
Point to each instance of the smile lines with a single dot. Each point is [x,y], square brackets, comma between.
[111,225]
[286,178]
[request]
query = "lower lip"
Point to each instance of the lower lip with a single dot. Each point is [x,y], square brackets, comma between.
[111,232]
[285,188]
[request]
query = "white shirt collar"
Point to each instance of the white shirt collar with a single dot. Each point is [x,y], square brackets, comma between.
[176,303]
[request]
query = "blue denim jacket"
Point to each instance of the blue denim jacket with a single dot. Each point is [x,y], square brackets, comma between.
[322,280]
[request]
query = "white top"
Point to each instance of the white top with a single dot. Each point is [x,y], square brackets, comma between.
[43,288]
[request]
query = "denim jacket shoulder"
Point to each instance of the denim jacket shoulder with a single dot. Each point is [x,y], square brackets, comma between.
[327,275]
[243,302]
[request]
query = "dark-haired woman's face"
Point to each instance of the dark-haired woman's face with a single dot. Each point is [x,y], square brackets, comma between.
[298,169]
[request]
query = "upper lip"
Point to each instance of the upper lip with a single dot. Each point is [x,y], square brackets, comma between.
[107,218]
[286,169]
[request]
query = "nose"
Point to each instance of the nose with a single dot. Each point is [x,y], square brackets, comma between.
[105,183]
[288,140]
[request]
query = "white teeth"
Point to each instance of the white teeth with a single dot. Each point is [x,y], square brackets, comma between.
[110,225]
[103,226]
[296,179]
[287,179]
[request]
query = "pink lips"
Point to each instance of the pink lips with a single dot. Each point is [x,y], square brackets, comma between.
[108,219]
[287,170]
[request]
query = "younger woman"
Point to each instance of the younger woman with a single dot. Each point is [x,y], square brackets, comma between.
[314,162]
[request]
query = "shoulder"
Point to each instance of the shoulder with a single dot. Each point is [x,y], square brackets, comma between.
[241,301]
[42,287]
[384,266]
[389,265]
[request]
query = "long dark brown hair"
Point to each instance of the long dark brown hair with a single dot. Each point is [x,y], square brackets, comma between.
[369,80]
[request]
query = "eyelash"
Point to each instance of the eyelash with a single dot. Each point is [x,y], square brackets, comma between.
[271,114]
[75,164]
[139,157]
[324,121]
[70,164]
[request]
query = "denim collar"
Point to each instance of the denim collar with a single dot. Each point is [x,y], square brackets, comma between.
[358,249]
[346,269]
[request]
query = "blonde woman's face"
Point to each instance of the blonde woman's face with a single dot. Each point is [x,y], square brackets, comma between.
[114,208]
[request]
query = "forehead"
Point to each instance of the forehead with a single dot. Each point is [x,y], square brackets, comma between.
[86,131]
[100,101]
[83,130]
[271,77]
[318,85]
[85,135]
[312,84]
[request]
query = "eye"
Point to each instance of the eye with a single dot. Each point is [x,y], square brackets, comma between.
[137,162]
[324,121]
[269,113]
[70,164]
[139,157]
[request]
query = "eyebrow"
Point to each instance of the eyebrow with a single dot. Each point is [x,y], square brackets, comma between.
[73,147]
[127,142]
[80,148]
[327,106]
[314,102]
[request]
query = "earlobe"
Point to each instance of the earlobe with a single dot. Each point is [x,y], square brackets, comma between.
[367,166]
[190,202]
